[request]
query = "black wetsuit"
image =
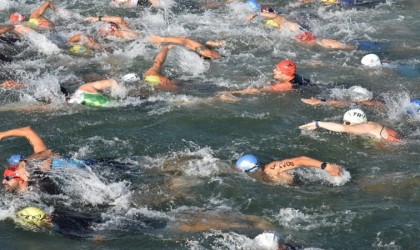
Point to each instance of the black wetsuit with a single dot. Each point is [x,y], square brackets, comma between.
[299,81]
[43,182]
[74,225]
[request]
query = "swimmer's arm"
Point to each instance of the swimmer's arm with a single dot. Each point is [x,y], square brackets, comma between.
[371,103]
[40,11]
[159,60]
[96,87]
[11,85]
[22,30]
[7,28]
[115,19]
[288,164]
[247,91]
[90,41]
[337,127]
[75,39]
[316,101]
[27,132]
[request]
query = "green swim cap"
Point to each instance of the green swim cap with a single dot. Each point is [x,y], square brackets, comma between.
[32,217]
[80,50]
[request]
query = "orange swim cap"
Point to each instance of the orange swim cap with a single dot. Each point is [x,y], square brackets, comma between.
[17,17]
[306,37]
[287,67]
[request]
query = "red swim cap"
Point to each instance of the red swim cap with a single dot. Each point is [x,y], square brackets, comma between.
[12,172]
[306,37]
[287,67]
[17,17]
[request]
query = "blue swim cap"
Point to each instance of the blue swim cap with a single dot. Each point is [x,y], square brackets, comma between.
[14,159]
[248,163]
[255,6]
[414,106]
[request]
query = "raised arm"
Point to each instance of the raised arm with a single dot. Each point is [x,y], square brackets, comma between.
[96,87]
[33,138]
[288,164]
[40,11]
[159,60]
[87,40]
[115,19]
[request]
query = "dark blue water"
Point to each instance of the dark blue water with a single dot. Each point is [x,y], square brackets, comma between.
[173,153]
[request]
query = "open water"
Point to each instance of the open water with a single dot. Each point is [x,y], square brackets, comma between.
[174,152]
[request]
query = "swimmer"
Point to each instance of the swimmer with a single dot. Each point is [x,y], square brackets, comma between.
[135,3]
[357,95]
[36,19]
[83,44]
[355,122]
[278,21]
[203,50]
[404,69]
[90,94]
[153,75]
[114,26]
[278,171]
[285,77]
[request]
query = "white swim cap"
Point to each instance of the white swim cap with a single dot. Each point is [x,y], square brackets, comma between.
[371,60]
[355,116]
[359,94]
[267,241]
[248,163]
[131,77]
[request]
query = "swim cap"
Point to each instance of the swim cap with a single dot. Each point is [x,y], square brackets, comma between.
[255,6]
[330,1]
[12,172]
[14,159]
[355,116]
[31,217]
[371,60]
[108,28]
[17,17]
[248,163]
[359,94]
[267,241]
[131,77]
[287,67]
[80,50]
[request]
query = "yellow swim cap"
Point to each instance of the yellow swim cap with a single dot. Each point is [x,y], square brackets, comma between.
[330,1]
[80,50]
[152,80]
[32,217]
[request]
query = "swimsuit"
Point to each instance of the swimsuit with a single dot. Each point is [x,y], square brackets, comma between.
[89,99]
[299,81]
[271,23]
[37,23]
[393,135]
[306,37]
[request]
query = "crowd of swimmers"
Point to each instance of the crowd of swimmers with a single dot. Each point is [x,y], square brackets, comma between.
[17,178]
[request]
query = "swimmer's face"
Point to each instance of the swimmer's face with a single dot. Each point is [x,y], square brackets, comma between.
[278,75]
[10,183]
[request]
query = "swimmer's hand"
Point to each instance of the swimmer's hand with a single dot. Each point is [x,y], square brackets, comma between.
[227,97]
[22,171]
[309,126]
[334,169]
[311,101]
[252,16]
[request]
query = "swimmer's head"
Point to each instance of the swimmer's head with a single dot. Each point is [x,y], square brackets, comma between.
[80,50]
[108,28]
[248,163]
[254,5]
[32,217]
[265,8]
[131,77]
[354,116]
[330,1]
[17,17]
[287,67]
[14,160]
[414,107]
[359,94]
[371,60]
